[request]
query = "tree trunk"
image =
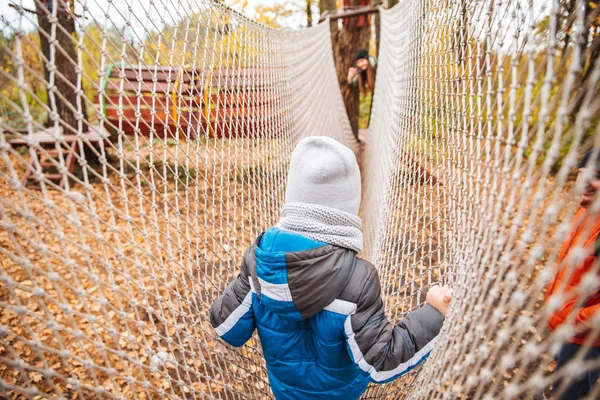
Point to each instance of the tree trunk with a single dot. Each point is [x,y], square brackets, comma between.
[65,61]
[346,42]
[308,13]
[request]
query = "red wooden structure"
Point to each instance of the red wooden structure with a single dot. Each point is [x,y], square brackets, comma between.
[141,100]
[165,102]
[363,18]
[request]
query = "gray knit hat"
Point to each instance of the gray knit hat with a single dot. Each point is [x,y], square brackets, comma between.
[325,172]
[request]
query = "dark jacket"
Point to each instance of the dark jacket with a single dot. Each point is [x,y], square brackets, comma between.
[320,318]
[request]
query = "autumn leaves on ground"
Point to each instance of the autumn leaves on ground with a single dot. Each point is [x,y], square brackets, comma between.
[105,288]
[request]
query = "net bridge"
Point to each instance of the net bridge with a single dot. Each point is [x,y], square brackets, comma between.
[145,144]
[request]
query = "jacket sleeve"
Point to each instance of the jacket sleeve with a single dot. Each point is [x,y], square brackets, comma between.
[381,349]
[232,315]
[586,314]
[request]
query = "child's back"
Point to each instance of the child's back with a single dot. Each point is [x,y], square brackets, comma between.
[317,306]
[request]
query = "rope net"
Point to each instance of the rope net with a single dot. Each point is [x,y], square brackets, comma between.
[145,144]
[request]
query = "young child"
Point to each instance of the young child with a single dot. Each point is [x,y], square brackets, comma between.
[316,305]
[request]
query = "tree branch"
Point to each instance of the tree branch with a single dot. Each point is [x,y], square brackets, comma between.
[20,9]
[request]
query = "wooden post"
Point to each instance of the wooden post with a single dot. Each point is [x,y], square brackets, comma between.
[349,14]
[377,22]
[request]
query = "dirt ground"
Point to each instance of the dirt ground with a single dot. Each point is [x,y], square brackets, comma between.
[105,288]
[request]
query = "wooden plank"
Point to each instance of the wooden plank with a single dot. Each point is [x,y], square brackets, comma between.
[241,98]
[161,75]
[148,74]
[145,114]
[130,103]
[144,87]
[49,136]
[238,112]
[349,14]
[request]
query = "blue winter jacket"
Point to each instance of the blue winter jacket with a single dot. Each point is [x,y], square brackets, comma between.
[320,318]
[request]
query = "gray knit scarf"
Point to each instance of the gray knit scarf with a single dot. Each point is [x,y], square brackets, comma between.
[323,224]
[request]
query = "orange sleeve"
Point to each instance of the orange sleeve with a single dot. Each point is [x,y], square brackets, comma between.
[587,313]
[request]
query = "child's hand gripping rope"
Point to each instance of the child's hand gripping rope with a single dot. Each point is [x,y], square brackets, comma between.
[439,297]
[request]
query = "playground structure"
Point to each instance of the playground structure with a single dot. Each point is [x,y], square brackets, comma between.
[480,112]
[182,101]
[46,152]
